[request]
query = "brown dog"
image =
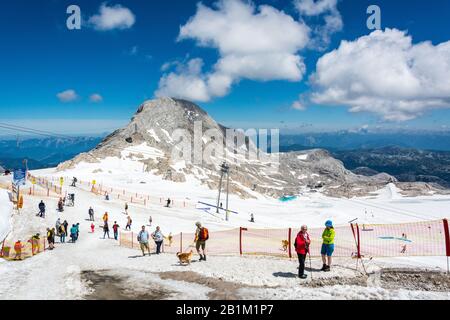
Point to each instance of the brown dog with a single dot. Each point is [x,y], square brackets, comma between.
[185,257]
[285,244]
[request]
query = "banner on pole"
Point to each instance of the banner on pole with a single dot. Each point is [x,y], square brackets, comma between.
[19,177]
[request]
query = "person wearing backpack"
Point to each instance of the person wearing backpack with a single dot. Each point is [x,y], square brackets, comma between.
[116,230]
[201,236]
[142,238]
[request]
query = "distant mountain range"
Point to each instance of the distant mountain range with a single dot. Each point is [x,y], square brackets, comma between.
[409,157]
[406,164]
[43,153]
[364,139]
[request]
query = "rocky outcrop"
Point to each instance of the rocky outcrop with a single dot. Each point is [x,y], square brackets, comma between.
[155,123]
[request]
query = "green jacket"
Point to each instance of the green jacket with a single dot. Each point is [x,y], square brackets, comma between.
[328,236]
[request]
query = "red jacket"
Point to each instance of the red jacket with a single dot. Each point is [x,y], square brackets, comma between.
[301,242]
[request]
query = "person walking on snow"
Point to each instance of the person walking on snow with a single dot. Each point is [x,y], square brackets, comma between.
[58,224]
[92,227]
[143,238]
[129,221]
[73,233]
[41,209]
[106,230]
[35,244]
[18,246]
[301,245]
[62,234]
[116,230]
[78,230]
[158,237]
[51,238]
[168,202]
[66,227]
[91,214]
[201,236]
[150,220]
[60,205]
[327,245]
[126,208]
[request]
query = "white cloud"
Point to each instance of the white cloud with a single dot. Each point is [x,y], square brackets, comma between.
[385,73]
[96,98]
[67,96]
[256,43]
[299,104]
[186,82]
[332,20]
[112,17]
[315,7]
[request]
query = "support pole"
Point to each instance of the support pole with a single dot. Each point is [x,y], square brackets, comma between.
[181,242]
[447,242]
[290,243]
[240,239]
[220,190]
[228,185]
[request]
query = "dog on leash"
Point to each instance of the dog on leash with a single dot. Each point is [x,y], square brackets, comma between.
[285,244]
[185,258]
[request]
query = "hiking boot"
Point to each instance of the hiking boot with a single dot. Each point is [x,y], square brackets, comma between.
[323,267]
[201,258]
[204,257]
[327,269]
[303,276]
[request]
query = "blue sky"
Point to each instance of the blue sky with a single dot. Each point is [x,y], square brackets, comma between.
[40,58]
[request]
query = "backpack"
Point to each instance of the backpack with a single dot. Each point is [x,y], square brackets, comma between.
[203,235]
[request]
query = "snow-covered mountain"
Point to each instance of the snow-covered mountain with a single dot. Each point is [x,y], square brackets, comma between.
[148,140]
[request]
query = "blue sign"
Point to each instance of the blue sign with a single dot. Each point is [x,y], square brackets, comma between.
[19,177]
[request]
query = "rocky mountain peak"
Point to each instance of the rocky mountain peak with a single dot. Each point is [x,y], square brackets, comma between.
[152,128]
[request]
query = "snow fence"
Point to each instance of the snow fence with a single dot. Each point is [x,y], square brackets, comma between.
[29,249]
[128,196]
[428,238]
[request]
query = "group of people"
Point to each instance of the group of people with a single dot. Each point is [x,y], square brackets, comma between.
[62,231]
[143,239]
[302,247]
[302,241]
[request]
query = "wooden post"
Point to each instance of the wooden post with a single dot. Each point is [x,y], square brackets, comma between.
[132,239]
[240,239]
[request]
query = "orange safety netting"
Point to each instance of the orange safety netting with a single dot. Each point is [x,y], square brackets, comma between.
[409,239]
[29,248]
[406,239]
[131,197]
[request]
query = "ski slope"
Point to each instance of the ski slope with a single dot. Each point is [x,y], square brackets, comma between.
[59,274]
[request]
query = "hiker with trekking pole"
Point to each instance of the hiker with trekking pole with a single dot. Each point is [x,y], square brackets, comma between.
[301,244]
